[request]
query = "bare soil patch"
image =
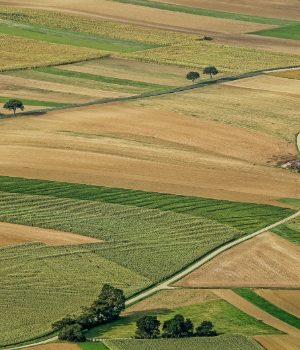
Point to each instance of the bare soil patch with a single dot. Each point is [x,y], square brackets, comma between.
[11,234]
[269,83]
[121,145]
[256,312]
[289,9]
[264,261]
[278,342]
[144,16]
[288,300]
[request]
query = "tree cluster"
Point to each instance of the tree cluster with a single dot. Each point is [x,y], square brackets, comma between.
[148,327]
[106,308]
[211,70]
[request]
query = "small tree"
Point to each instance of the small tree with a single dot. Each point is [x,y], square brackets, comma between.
[206,329]
[177,327]
[211,70]
[193,76]
[147,327]
[13,105]
[72,333]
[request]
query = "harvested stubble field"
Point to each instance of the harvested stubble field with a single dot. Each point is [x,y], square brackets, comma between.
[235,106]
[197,305]
[264,261]
[121,145]
[224,342]
[291,74]
[56,346]
[41,53]
[278,342]
[132,257]
[11,234]
[288,300]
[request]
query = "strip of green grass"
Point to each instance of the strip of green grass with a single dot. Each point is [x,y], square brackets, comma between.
[206,12]
[293,201]
[265,305]
[36,102]
[288,233]
[286,32]
[104,79]
[93,346]
[72,38]
[246,217]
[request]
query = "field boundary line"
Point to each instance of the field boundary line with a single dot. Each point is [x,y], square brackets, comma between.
[166,284]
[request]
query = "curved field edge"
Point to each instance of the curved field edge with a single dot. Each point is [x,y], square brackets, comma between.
[265,305]
[224,342]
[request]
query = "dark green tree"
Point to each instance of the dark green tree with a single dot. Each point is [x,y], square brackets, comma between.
[72,333]
[178,327]
[211,70]
[66,321]
[147,327]
[193,76]
[13,105]
[206,329]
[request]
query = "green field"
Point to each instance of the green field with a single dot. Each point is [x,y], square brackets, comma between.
[56,36]
[289,231]
[265,305]
[245,217]
[286,32]
[93,346]
[35,102]
[205,12]
[225,317]
[224,342]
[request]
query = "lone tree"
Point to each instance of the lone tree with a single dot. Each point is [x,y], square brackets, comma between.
[178,327]
[193,76]
[211,70]
[206,329]
[13,105]
[147,328]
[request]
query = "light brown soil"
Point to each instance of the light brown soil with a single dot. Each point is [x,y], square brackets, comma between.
[256,312]
[278,342]
[173,298]
[269,83]
[133,70]
[125,146]
[55,346]
[8,82]
[289,9]
[142,15]
[11,234]
[264,261]
[288,300]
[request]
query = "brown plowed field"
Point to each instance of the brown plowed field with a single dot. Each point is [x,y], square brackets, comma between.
[11,234]
[269,83]
[288,300]
[142,15]
[126,146]
[256,312]
[289,9]
[278,342]
[264,261]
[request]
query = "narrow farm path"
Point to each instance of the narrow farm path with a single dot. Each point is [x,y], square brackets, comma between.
[298,141]
[166,284]
[256,312]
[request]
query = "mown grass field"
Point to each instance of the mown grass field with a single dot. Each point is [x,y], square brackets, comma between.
[265,305]
[225,342]
[226,318]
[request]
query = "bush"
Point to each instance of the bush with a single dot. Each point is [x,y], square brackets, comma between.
[72,333]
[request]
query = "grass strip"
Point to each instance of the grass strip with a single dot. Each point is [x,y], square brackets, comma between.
[206,12]
[65,37]
[270,308]
[36,102]
[288,233]
[286,32]
[93,346]
[101,78]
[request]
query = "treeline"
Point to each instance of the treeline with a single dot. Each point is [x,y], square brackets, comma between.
[107,308]
[148,327]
